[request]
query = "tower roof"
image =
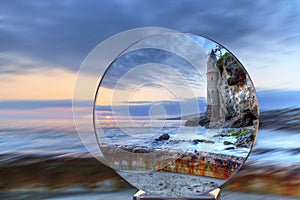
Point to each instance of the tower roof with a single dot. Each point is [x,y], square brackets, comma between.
[211,63]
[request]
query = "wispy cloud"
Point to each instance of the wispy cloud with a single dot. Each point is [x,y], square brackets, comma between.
[164,67]
[63,32]
[42,35]
[34,104]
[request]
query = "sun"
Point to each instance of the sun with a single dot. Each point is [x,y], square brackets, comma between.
[107,117]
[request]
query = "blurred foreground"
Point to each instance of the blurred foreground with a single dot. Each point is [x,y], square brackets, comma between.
[47,161]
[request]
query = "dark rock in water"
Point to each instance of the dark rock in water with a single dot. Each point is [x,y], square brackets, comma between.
[203,121]
[229,148]
[164,136]
[209,141]
[127,148]
[174,142]
[135,149]
[246,118]
[245,141]
[195,142]
[192,122]
[203,141]
[142,150]
[227,143]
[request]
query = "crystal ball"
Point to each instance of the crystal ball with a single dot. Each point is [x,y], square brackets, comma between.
[176,114]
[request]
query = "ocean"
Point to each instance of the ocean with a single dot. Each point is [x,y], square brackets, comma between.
[142,133]
[55,139]
[52,138]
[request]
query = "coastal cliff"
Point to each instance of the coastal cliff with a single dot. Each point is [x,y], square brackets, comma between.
[235,104]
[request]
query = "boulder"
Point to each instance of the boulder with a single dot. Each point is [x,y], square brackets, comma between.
[142,150]
[164,136]
[227,143]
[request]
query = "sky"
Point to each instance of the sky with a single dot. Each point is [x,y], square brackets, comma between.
[43,43]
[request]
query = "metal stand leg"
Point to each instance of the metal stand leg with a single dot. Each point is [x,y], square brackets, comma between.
[213,195]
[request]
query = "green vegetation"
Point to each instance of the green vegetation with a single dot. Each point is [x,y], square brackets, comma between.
[237,133]
[223,57]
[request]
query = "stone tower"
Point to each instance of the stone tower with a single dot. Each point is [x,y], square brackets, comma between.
[213,103]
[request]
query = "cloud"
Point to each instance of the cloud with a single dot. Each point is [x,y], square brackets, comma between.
[37,104]
[264,35]
[59,33]
[164,68]
[63,32]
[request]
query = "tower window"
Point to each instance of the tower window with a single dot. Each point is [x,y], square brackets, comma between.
[211,78]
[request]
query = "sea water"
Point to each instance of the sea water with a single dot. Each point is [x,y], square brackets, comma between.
[52,138]
[181,137]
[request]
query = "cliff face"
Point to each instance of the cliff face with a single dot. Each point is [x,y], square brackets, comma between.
[238,101]
[235,104]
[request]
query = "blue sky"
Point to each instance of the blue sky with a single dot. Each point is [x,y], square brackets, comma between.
[44,42]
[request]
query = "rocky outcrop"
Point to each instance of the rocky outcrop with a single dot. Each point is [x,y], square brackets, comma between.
[237,98]
[284,119]
[245,141]
[236,92]
[166,160]
[164,136]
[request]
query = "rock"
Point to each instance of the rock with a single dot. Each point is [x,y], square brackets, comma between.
[136,149]
[227,143]
[245,141]
[127,148]
[229,148]
[246,119]
[193,122]
[164,136]
[174,142]
[203,141]
[235,105]
[203,121]
[142,150]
